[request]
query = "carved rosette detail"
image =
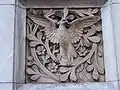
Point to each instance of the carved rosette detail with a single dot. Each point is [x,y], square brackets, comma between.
[64,45]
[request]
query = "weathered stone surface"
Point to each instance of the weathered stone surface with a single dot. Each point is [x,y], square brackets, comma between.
[64,45]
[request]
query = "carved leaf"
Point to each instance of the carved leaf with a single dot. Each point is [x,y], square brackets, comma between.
[73,76]
[91,32]
[32,11]
[90,68]
[95,74]
[84,76]
[31,37]
[102,78]
[100,70]
[30,58]
[35,68]
[99,63]
[64,69]
[98,26]
[95,11]
[47,56]
[64,77]
[89,10]
[55,51]
[29,63]
[87,13]
[80,68]
[88,76]
[39,35]
[30,71]
[84,12]
[94,39]
[100,67]
[79,13]
[87,43]
[71,17]
[35,77]
[34,43]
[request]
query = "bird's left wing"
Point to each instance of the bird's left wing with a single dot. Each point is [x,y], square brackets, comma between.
[77,26]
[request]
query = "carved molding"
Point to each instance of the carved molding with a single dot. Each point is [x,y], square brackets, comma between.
[64,45]
[62,3]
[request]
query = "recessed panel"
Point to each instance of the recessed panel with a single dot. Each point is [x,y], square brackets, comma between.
[64,45]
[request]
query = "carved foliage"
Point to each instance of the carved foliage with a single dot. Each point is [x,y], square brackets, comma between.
[64,45]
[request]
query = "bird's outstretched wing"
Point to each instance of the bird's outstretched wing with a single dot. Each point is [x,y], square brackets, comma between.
[77,26]
[49,27]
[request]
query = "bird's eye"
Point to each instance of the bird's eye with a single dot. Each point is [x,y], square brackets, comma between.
[63,20]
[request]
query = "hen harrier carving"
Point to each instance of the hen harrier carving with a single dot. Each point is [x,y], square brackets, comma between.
[62,35]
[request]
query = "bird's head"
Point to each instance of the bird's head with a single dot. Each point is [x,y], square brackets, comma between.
[64,20]
[64,23]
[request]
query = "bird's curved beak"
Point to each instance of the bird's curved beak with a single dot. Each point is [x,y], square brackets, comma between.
[62,21]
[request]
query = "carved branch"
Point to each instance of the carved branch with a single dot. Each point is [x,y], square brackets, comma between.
[38,63]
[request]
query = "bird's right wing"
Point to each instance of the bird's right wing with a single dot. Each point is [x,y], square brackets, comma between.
[49,27]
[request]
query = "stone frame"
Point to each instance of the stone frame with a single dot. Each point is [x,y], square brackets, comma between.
[109,55]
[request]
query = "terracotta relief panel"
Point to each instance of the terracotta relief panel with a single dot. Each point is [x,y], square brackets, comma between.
[64,46]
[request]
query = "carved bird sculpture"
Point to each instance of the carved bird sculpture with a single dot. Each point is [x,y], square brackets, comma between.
[63,35]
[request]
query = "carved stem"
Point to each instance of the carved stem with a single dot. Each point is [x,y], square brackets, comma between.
[47,72]
[48,50]
[46,45]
